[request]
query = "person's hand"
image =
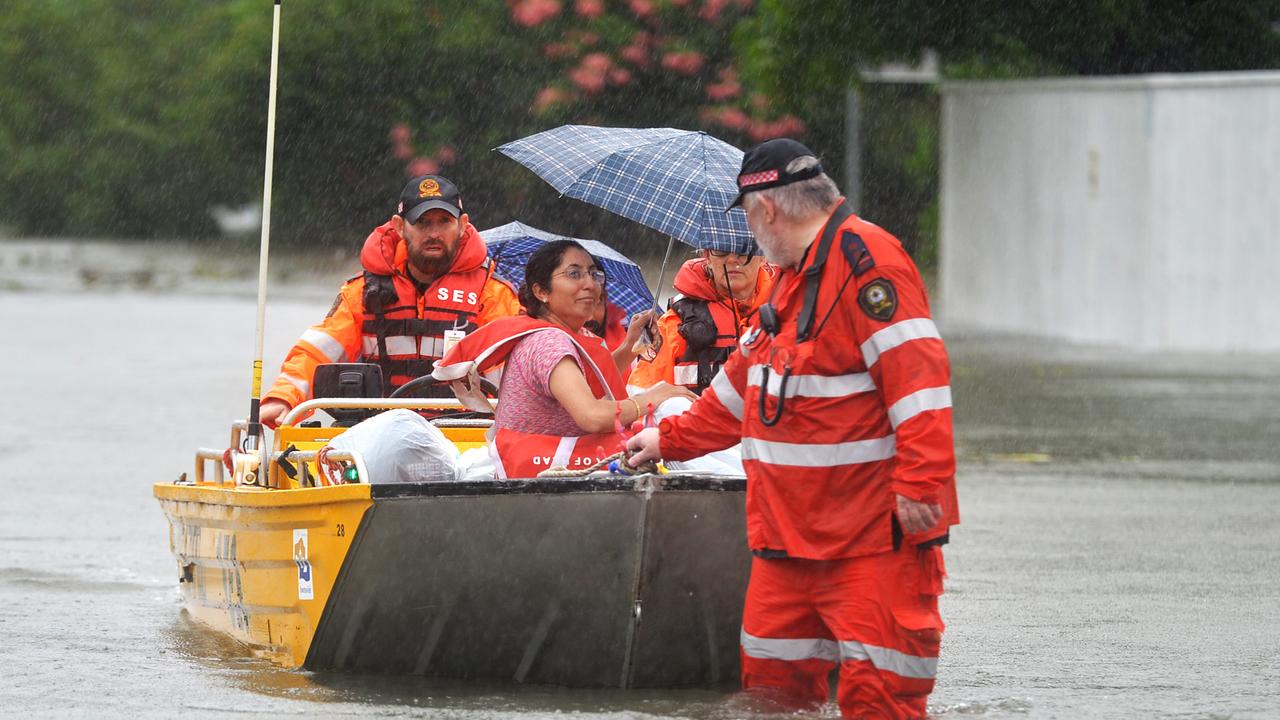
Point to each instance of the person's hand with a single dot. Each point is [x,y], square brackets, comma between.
[915,516]
[270,412]
[643,446]
[639,322]
[662,392]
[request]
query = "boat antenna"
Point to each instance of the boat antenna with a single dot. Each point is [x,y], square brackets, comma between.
[254,438]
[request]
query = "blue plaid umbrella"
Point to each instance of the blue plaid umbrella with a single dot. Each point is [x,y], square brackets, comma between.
[511,245]
[676,181]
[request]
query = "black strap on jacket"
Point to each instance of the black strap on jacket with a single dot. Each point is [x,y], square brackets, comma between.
[379,290]
[700,332]
[804,323]
[813,274]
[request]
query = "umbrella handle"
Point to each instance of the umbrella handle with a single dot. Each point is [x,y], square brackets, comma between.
[646,337]
[662,273]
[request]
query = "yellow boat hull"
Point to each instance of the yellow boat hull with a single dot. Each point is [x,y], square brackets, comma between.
[258,564]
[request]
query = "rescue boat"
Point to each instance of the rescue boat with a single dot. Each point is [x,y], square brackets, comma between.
[614,581]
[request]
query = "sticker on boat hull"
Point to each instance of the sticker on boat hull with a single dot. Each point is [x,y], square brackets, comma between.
[300,542]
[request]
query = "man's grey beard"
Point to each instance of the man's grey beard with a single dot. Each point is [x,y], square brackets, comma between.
[776,251]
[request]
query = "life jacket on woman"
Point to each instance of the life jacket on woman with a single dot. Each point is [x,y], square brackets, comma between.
[519,454]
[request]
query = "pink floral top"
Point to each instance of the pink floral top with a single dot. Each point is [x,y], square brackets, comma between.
[525,401]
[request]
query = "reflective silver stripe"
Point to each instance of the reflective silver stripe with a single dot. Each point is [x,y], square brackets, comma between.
[798,649]
[896,334]
[898,663]
[564,452]
[727,395]
[325,343]
[818,455]
[369,346]
[820,386]
[402,345]
[303,386]
[918,402]
[432,347]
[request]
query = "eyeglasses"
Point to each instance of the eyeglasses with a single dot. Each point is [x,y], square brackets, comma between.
[577,274]
[746,257]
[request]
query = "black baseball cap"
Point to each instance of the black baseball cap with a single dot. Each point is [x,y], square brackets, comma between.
[764,166]
[428,192]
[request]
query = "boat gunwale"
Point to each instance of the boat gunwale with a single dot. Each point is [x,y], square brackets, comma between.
[260,497]
[561,485]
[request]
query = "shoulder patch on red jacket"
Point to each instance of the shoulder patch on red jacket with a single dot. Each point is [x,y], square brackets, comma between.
[337,302]
[878,299]
[856,252]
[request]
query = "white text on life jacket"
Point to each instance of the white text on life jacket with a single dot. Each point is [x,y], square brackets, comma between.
[443,294]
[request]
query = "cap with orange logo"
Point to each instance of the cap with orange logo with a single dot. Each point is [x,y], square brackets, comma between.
[428,192]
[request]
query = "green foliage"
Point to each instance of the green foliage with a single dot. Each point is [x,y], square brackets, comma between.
[89,98]
[131,117]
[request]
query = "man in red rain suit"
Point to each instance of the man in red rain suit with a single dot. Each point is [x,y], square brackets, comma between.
[840,395]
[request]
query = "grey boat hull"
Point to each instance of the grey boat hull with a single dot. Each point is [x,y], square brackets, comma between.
[616,582]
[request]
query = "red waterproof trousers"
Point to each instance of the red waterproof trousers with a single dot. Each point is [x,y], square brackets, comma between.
[876,616]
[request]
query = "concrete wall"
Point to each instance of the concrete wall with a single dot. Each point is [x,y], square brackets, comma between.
[1139,212]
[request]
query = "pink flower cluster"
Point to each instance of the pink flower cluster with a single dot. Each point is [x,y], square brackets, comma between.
[532,13]
[727,88]
[589,9]
[640,51]
[596,71]
[599,68]
[401,137]
[642,8]
[685,62]
[733,118]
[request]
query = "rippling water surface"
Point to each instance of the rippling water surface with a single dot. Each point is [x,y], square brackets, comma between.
[1119,555]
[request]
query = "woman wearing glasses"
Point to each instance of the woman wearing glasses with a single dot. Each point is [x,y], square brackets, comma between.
[719,294]
[562,400]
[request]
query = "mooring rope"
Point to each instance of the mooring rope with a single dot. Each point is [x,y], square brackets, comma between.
[615,463]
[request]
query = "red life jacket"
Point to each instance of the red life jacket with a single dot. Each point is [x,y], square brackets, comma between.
[405,332]
[519,454]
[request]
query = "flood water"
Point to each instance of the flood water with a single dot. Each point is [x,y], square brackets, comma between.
[1119,555]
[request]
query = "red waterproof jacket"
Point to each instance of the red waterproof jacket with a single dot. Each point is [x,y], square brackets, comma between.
[867,411]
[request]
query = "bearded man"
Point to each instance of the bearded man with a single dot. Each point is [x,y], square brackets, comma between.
[427,282]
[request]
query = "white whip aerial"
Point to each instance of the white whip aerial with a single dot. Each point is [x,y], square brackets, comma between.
[254,436]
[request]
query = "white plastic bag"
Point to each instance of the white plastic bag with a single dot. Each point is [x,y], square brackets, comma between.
[400,446]
[476,465]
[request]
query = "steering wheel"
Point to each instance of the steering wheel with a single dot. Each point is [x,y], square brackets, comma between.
[425,381]
[418,383]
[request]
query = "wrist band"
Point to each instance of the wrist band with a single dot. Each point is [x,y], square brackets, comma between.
[639,412]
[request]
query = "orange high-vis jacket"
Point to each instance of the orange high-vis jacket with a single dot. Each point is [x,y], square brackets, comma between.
[674,363]
[867,406]
[411,333]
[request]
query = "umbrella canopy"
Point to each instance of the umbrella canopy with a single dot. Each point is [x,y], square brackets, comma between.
[511,245]
[676,181]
